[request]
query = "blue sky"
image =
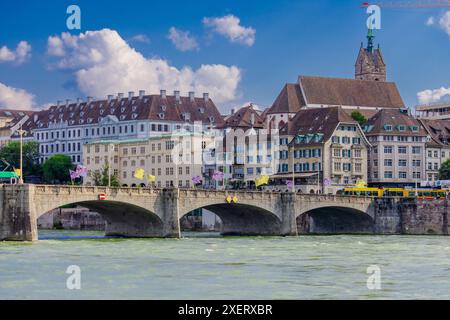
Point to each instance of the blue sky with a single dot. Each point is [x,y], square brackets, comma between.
[290,38]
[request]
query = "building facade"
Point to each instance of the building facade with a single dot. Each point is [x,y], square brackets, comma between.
[156,155]
[398,154]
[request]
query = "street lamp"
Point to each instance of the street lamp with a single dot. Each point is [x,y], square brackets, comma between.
[21,133]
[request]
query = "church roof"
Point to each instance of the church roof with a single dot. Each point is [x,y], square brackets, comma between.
[290,100]
[350,92]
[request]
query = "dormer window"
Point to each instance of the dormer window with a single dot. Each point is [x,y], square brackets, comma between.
[211,119]
[122,110]
[401,128]
[81,114]
[163,108]
[101,105]
[201,110]
[102,111]
[72,122]
[122,117]
[134,108]
[122,103]
[90,120]
[388,127]
[100,119]
[414,128]
[112,110]
[81,121]
[72,114]
[161,116]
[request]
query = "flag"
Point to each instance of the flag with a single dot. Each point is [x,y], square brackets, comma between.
[262,181]
[139,174]
[197,180]
[290,184]
[360,183]
[18,172]
[218,176]
[151,178]
[73,175]
[82,171]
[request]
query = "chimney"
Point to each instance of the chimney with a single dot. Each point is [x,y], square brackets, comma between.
[120,96]
[252,119]
[67,102]
[177,96]
[206,97]
[110,97]
[162,93]
[90,99]
[36,117]
[192,96]
[232,111]
[130,95]
[141,94]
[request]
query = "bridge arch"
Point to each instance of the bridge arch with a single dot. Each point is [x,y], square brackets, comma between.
[335,219]
[251,213]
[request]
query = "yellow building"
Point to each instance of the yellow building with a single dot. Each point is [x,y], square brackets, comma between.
[172,159]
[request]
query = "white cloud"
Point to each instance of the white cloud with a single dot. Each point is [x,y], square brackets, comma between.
[140,38]
[432,95]
[103,63]
[182,40]
[444,22]
[229,27]
[19,56]
[430,21]
[13,98]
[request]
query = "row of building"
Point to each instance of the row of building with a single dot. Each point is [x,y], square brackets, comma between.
[311,134]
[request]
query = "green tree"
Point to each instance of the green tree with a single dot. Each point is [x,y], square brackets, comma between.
[100,179]
[357,116]
[11,154]
[444,171]
[56,169]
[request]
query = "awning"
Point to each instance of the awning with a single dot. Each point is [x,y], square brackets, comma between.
[297,175]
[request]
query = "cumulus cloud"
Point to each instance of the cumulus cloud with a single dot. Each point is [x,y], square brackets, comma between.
[229,27]
[19,56]
[430,21]
[182,40]
[432,95]
[13,98]
[444,22]
[103,63]
[139,38]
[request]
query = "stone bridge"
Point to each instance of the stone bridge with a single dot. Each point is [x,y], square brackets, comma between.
[140,212]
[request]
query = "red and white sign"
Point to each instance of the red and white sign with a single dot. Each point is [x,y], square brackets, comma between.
[101,197]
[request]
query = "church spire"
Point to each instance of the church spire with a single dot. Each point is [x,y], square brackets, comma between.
[370,37]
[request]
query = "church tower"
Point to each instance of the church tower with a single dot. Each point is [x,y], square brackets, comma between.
[370,63]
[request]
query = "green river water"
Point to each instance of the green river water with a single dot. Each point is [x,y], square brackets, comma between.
[208,266]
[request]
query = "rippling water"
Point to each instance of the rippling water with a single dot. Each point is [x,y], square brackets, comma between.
[207,266]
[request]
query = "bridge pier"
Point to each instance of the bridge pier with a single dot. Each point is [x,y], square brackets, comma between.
[171,214]
[288,215]
[18,220]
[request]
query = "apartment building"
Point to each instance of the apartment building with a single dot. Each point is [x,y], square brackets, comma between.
[398,155]
[174,159]
[434,111]
[324,150]
[65,128]
[437,147]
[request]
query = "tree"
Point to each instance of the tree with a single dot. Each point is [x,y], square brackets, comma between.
[444,171]
[100,179]
[357,116]
[56,169]
[11,154]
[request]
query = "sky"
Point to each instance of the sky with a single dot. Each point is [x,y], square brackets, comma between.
[238,51]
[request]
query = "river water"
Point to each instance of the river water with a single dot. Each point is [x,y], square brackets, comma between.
[208,266]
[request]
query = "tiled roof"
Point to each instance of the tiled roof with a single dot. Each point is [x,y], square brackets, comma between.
[350,92]
[243,119]
[150,107]
[316,121]
[290,100]
[439,131]
[394,122]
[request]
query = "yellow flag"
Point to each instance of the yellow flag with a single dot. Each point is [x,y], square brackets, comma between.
[18,172]
[262,181]
[151,178]
[360,183]
[139,174]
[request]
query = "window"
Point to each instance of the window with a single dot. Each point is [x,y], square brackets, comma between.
[388,149]
[388,174]
[416,150]
[402,163]
[416,175]
[388,162]
[402,175]
[402,150]
[416,163]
